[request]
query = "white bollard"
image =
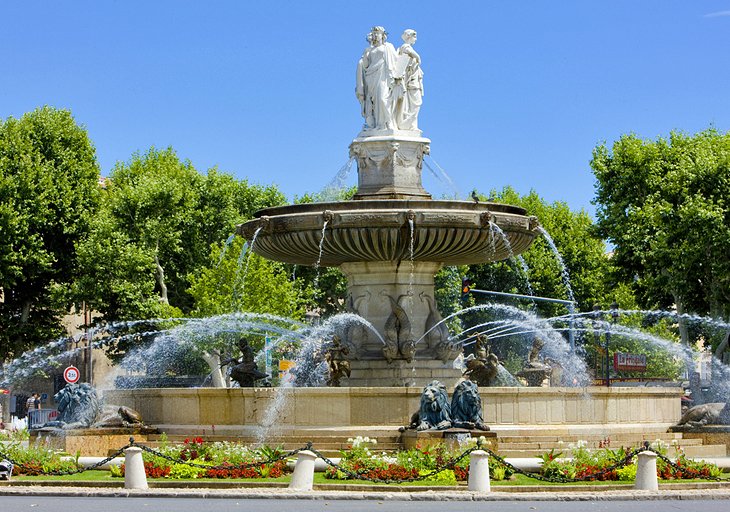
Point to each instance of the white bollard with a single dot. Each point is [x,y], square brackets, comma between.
[303,477]
[479,471]
[646,479]
[134,475]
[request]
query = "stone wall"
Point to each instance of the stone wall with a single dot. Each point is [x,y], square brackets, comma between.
[394,406]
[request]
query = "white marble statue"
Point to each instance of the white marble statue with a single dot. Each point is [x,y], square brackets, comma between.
[409,92]
[376,81]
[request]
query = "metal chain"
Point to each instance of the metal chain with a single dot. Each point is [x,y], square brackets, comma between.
[244,465]
[61,472]
[685,471]
[362,474]
[593,476]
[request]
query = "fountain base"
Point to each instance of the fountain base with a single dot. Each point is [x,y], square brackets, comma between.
[400,373]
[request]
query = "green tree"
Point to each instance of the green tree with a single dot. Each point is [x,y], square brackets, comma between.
[159,218]
[240,281]
[583,252]
[48,193]
[663,205]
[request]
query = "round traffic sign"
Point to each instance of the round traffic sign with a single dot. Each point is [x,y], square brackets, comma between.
[71,375]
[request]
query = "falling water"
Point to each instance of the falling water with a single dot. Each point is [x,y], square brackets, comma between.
[442,177]
[333,190]
[226,245]
[319,256]
[563,269]
[248,258]
[494,229]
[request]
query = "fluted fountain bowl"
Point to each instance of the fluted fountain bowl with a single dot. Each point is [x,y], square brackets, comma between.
[448,232]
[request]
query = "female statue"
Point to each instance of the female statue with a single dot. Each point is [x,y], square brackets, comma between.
[411,85]
[375,81]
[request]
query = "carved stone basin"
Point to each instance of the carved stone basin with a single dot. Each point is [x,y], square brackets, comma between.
[445,232]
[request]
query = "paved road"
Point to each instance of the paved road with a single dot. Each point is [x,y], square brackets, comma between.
[144,504]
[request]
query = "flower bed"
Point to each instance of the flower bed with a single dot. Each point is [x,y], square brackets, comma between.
[604,463]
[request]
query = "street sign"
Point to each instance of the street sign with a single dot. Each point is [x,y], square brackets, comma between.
[629,362]
[71,375]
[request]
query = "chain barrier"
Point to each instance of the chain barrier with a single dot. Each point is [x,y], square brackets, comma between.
[362,474]
[244,465]
[62,472]
[627,460]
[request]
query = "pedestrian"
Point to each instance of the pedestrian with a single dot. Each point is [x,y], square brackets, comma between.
[32,404]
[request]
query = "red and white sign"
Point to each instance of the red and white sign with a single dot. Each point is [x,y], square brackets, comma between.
[71,375]
[629,362]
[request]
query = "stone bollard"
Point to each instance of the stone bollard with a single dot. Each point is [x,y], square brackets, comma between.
[646,479]
[303,477]
[479,471]
[134,475]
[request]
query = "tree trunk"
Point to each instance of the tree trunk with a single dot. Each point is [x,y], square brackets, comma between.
[25,312]
[683,331]
[161,281]
[722,347]
[213,359]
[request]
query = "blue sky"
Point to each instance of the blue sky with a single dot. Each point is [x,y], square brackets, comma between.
[516,92]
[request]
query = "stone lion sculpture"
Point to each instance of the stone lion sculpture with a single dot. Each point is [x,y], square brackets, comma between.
[435,411]
[78,407]
[715,413]
[466,407]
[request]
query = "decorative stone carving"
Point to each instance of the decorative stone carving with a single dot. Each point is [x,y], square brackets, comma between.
[535,371]
[483,367]
[245,372]
[466,407]
[409,86]
[355,333]
[375,80]
[715,413]
[398,336]
[78,407]
[435,411]
[337,362]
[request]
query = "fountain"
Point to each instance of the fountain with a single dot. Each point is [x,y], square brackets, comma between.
[392,237]
[389,241]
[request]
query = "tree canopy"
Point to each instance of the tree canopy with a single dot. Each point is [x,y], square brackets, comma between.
[48,194]
[158,220]
[663,205]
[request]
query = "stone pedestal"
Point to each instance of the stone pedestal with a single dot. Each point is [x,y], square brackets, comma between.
[397,297]
[417,373]
[453,438]
[389,166]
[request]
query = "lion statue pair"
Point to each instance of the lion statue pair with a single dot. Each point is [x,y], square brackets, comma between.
[436,413]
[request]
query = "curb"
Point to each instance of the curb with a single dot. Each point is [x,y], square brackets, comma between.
[425,495]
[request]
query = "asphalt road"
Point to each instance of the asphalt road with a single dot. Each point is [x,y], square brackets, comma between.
[118,504]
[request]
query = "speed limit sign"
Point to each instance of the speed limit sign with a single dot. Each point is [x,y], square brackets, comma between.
[71,375]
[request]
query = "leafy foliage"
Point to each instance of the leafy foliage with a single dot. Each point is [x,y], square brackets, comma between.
[663,205]
[48,194]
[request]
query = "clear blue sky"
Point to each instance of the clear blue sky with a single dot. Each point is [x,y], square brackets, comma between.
[516,92]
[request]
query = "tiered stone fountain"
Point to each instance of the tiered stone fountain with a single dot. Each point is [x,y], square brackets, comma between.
[390,240]
[392,237]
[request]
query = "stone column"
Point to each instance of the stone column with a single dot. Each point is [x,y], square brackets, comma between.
[479,472]
[303,477]
[646,478]
[134,475]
